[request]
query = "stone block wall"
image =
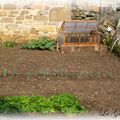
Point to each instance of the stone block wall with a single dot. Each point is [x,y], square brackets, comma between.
[30,22]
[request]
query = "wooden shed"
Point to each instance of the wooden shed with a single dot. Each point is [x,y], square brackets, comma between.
[81,33]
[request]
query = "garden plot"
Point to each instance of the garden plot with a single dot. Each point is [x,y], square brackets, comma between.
[92,77]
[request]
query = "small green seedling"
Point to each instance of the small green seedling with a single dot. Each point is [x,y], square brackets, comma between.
[14,72]
[5,72]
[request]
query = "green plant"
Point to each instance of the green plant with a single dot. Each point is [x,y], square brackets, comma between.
[14,72]
[116,21]
[5,72]
[29,74]
[8,44]
[108,41]
[64,103]
[42,43]
[116,50]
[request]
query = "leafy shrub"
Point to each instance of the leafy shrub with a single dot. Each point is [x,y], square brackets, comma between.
[41,43]
[108,41]
[116,50]
[64,103]
[8,44]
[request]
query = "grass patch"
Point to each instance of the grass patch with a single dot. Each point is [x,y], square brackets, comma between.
[64,103]
[7,44]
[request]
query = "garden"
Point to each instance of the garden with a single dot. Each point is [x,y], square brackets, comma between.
[34,77]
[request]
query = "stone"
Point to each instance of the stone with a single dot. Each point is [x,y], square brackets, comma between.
[6,37]
[34,36]
[9,37]
[40,18]
[34,31]
[19,38]
[52,35]
[24,27]
[11,26]
[59,14]
[24,12]
[47,28]
[3,13]
[28,17]
[39,6]
[2,35]
[2,27]
[19,18]
[9,7]
[94,8]
[102,28]
[96,48]
[27,7]
[12,13]
[43,12]
[7,20]
[24,32]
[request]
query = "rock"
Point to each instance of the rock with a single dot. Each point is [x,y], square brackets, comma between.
[7,20]
[38,6]
[12,13]
[34,31]
[48,28]
[43,12]
[27,7]
[3,13]
[24,12]
[40,18]
[28,17]
[21,17]
[9,7]
[59,14]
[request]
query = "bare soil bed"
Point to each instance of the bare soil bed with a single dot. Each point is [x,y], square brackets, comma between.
[95,93]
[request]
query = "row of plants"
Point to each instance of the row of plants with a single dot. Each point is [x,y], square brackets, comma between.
[42,43]
[58,73]
[62,103]
[7,44]
[116,50]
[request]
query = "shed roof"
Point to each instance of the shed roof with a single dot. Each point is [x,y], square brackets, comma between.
[79,26]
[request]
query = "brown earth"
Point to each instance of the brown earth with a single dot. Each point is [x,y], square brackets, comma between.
[94,93]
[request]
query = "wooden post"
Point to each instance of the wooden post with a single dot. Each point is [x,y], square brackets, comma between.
[96,48]
[72,49]
[57,46]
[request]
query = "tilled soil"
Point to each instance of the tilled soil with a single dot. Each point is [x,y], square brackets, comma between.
[95,93]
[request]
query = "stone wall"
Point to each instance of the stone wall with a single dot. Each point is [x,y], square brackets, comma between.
[30,22]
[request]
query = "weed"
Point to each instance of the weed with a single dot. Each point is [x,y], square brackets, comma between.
[5,72]
[14,72]
[97,75]
[108,41]
[29,74]
[8,44]
[109,74]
